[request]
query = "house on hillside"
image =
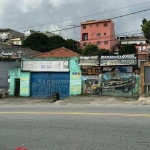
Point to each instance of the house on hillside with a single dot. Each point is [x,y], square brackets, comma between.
[140,43]
[6,35]
[28,32]
[17,41]
[45,74]
[98,32]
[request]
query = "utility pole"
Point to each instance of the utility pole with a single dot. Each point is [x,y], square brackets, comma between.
[74,26]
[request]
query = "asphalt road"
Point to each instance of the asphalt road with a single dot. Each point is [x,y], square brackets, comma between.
[75,127]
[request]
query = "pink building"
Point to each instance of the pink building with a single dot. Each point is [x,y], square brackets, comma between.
[100,33]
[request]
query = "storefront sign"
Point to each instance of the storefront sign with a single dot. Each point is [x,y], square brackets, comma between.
[118,60]
[91,71]
[58,66]
[89,61]
[88,57]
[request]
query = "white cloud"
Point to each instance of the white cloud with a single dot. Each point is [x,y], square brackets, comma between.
[50,14]
[56,3]
[28,5]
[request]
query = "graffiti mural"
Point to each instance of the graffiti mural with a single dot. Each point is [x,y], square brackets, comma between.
[90,84]
[117,81]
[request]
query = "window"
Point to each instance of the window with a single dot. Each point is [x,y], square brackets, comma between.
[98,34]
[105,24]
[105,33]
[91,34]
[98,42]
[97,24]
[105,42]
[84,44]
[84,26]
[16,42]
[142,48]
[90,25]
[84,36]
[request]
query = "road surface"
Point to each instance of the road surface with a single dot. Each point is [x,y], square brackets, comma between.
[75,127]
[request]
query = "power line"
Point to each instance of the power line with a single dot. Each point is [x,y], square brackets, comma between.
[106,19]
[83,16]
[130,14]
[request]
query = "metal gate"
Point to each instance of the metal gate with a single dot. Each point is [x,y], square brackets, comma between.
[43,85]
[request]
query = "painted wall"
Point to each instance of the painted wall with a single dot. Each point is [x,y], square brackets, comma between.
[120,84]
[75,76]
[112,83]
[24,77]
[90,83]
[75,72]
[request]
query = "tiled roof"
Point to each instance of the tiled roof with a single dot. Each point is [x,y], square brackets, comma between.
[59,52]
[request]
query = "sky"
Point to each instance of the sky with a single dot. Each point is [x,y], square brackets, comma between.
[55,15]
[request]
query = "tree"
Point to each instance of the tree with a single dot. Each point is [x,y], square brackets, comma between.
[104,52]
[72,44]
[56,42]
[146,28]
[36,41]
[90,49]
[127,49]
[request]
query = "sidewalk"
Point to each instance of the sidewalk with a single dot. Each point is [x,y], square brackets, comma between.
[91,99]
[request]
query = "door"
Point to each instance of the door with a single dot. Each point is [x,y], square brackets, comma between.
[17,87]
[43,85]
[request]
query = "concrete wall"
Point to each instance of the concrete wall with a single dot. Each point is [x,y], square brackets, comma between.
[75,77]
[4,66]
[112,83]
[24,77]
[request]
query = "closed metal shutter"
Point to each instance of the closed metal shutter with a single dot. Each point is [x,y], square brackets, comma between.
[43,85]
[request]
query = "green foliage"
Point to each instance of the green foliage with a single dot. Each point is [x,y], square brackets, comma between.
[146,28]
[92,50]
[127,49]
[41,42]
[56,42]
[104,52]
[36,41]
[72,44]
[79,50]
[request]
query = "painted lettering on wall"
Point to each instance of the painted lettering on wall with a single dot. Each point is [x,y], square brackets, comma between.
[48,87]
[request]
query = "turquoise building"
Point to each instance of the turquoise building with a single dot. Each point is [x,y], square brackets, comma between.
[41,76]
